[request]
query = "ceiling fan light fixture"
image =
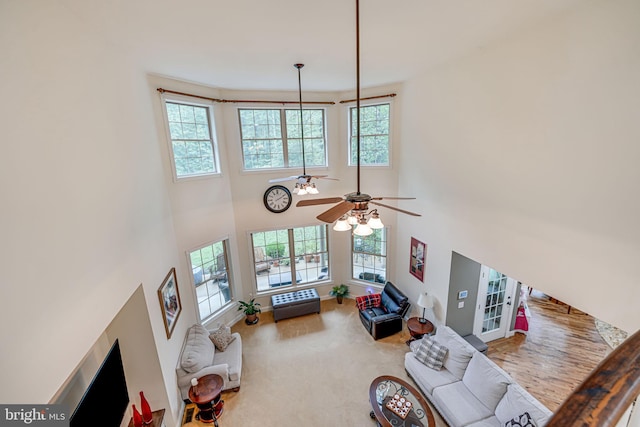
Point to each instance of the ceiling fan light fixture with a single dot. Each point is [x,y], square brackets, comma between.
[363,229]
[311,189]
[302,191]
[352,220]
[342,224]
[375,222]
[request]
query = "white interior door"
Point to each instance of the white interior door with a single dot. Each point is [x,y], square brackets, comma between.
[494,307]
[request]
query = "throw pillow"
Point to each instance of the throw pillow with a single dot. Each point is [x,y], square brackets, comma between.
[523,420]
[368,301]
[431,353]
[460,351]
[222,337]
[486,381]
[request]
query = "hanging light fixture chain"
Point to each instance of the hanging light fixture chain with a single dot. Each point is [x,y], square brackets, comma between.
[358,92]
[298,66]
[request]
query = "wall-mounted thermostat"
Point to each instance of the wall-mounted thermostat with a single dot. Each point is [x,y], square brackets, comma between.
[463,294]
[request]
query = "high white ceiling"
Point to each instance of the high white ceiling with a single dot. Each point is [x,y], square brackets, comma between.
[253,44]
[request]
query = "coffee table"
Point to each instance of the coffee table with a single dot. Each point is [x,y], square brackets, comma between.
[420,414]
[206,395]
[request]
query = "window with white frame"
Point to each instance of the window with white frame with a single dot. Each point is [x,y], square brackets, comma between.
[374,135]
[191,133]
[211,277]
[271,138]
[370,256]
[290,257]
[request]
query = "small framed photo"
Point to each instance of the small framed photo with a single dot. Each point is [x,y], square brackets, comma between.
[418,258]
[170,301]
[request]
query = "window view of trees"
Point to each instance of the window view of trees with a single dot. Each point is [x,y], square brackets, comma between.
[374,139]
[271,138]
[281,255]
[370,256]
[191,142]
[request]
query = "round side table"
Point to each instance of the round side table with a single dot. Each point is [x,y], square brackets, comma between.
[206,395]
[417,329]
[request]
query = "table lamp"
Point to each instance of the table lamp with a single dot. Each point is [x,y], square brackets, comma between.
[426,302]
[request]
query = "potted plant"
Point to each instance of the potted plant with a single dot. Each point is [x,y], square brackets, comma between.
[339,292]
[250,310]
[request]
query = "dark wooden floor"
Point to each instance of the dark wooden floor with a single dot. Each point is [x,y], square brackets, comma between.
[556,355]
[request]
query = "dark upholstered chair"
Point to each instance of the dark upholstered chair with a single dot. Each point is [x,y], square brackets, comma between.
[381,314]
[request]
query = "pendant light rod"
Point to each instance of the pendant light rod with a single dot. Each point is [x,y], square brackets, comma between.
[358,91]
[298,66]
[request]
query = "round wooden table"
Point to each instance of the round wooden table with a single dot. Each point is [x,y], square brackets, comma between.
[417,329]
[206,395]
[419,415]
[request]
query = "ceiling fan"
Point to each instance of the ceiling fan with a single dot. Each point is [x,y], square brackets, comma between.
[303,184]
[353,208]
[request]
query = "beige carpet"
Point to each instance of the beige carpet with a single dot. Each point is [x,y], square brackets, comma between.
[313,370]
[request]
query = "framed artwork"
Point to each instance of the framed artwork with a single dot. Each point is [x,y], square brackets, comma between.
[418,257]
[170,301]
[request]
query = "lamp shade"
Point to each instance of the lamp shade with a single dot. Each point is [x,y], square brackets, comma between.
[342,225]
[425,301]
[363,229]
[375,222]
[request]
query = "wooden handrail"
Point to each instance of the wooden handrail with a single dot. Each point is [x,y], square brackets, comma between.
[608,391]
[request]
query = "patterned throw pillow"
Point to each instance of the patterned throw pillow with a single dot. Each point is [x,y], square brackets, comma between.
[523,420]
[368,301]
[431,353]
[222,337]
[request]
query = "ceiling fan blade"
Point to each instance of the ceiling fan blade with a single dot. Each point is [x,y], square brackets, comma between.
[393,198]
[395,209]
[324,201]
[289,178]
[325,177]
[336,212]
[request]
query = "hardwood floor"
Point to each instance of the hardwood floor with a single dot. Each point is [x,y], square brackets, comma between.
[556,355]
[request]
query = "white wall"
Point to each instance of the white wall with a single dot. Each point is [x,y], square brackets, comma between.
[527,154]
[85,218]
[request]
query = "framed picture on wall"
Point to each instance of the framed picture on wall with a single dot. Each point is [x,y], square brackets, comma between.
[418,258]
[170,301]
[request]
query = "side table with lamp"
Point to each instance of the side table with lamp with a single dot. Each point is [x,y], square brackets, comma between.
[419,326]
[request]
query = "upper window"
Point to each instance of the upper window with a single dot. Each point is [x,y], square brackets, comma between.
[281,255]
[210,269]
[271,138]
[370,256]
[192,144]
[374,139]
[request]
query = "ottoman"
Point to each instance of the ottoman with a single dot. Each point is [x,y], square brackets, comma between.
[295,303]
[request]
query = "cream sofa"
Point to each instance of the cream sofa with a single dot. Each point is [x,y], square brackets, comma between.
[470,389]
[200,357]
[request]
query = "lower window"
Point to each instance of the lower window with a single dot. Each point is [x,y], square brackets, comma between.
[370,256]
[290,257]
[210,270]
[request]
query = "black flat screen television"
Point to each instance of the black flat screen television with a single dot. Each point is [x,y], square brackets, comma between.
[105,401]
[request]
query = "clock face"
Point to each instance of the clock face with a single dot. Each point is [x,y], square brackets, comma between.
[277,198]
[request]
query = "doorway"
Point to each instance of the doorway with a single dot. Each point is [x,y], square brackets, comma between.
[494,305]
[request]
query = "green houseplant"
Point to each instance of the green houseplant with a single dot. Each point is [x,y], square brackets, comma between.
[339,292]
[250,310]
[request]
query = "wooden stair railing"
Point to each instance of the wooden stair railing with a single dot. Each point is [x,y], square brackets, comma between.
[606,394]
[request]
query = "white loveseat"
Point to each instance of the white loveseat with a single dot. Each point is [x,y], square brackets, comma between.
[199,357]
[470,389]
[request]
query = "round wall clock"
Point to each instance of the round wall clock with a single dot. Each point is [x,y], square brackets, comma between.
[277,198]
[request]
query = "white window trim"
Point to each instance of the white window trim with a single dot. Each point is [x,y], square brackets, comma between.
[391,127]
[182,99]
[278,290]
[280,107]
[230,278]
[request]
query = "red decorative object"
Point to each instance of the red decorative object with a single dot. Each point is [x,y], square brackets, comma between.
[137,418]
[147,416]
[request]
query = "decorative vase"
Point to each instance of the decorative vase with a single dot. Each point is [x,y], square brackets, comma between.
[147,417]
[137,418]
[339,299]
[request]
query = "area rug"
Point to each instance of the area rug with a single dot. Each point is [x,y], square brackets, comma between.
[610,334]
